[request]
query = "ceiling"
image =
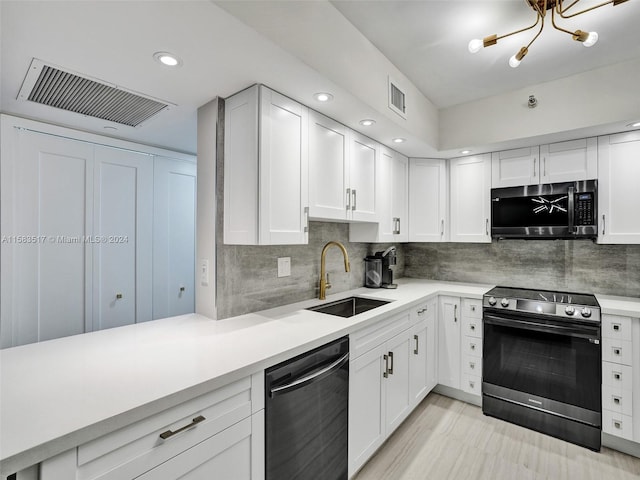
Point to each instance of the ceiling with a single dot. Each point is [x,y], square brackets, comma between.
[227,46]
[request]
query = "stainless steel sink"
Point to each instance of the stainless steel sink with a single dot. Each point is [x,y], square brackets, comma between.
[348,307]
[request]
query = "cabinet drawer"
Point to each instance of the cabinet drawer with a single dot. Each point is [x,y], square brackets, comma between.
[616,375]
[616,327]
[364,340]
[472,327]
[617,424]
[617,400]
[472,346]
[472,384]
[471,308]
[616,351]
[134,449]
[472,365]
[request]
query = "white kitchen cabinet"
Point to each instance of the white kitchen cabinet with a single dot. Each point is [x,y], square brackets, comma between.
[379,391]
[471,358]
[224,438]
[423,374]
[392,203]
[569,161]
[618,180]
[470,199]
[122,263]
[449,333]
[328,168]
[512,168]
[174,226]
[364,156]
[265,169]
[428,200]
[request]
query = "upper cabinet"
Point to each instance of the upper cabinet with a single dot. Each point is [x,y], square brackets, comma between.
[391,209]
[512,168]
[618,180]
[470,199]
[265,169]
[556,162]
[428,200]
[343,168]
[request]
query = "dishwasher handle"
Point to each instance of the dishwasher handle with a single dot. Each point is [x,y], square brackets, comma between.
[313,377]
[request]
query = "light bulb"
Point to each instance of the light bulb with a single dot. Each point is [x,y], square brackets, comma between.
[591,40]
[475,45]
[514,62]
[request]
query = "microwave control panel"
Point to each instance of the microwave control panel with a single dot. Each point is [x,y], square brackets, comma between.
[584,208]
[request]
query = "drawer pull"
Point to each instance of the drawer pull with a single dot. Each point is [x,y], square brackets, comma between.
[473,308]
[617,351]
[385,374]
[473,346]
[170,433]
[616,400]
[472,327]
[415,351]
[472,384]
[472,365]
[391,367]
[617,424]
[617,375]
[422,310]
[616,326]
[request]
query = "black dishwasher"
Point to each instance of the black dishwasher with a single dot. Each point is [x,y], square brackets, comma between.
[306,415]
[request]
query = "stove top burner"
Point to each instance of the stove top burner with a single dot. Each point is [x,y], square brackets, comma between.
[579,306]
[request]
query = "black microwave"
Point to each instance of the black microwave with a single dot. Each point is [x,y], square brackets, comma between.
[548,211]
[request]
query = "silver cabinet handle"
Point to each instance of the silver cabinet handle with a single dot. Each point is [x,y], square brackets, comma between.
[616,327]
[348,199]
[472,365]
[399,229]
[455,313]
[306,219]
[534,167]
[385,374]
[472,384]
[391,367]
[473,346]
[473,308]
[442,227]
[415,351]
[422,310]
[603,223]
[544,166]
[170,433]
[396,226]
[617,351]
[617,424]
[353,192]
[486,227]
[617,375]
[472,327]
[617,400]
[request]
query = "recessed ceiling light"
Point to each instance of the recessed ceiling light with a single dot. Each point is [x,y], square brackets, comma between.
[635,124]
[323,97]
[367,122]
[398,140]
[464,152]
[167,59]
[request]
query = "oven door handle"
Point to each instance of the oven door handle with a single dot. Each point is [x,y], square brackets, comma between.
[590,333]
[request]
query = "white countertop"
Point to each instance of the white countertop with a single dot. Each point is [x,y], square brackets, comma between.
[58,394]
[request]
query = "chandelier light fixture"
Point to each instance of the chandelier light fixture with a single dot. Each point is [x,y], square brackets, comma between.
[558,9]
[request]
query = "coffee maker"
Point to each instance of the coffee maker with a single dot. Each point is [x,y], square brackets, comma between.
[388,258]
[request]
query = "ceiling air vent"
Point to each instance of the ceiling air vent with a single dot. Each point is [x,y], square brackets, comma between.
[397,99]
[55,87]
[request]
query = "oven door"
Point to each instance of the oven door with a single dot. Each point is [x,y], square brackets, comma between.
[559,361]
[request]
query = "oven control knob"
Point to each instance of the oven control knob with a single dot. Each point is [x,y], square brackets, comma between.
[492,301]
[569,310]
[586,312]
[504,302]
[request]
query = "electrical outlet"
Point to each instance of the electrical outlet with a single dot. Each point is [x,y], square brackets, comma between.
[204,272]
[284,267]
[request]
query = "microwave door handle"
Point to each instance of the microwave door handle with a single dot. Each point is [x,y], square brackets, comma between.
[571,212]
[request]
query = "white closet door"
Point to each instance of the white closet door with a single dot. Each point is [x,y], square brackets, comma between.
[45,219]
[174,213]
[123,234]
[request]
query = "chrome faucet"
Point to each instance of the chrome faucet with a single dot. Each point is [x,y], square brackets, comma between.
[324,277]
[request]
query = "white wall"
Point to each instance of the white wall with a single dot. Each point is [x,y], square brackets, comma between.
[206,211]
[596,98]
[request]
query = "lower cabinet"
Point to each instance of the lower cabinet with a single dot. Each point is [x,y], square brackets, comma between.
[389,379]
[216,435]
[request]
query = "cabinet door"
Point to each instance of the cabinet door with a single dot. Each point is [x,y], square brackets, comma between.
[432,346]
[471,199]
[47,196]
[399,197]
[284,177]
[397,381]
[449,342]
[225,455]
[428,200]
[122,259]
[363,170]
[618,180]
[328,172]
[174,223]
[418,365]
[569,161]
[515,167]
[367,406]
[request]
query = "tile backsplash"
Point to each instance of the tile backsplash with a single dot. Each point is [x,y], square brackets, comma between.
[569,265]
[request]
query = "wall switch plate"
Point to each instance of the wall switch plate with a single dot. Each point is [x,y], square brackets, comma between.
[204,272]
[284,267]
